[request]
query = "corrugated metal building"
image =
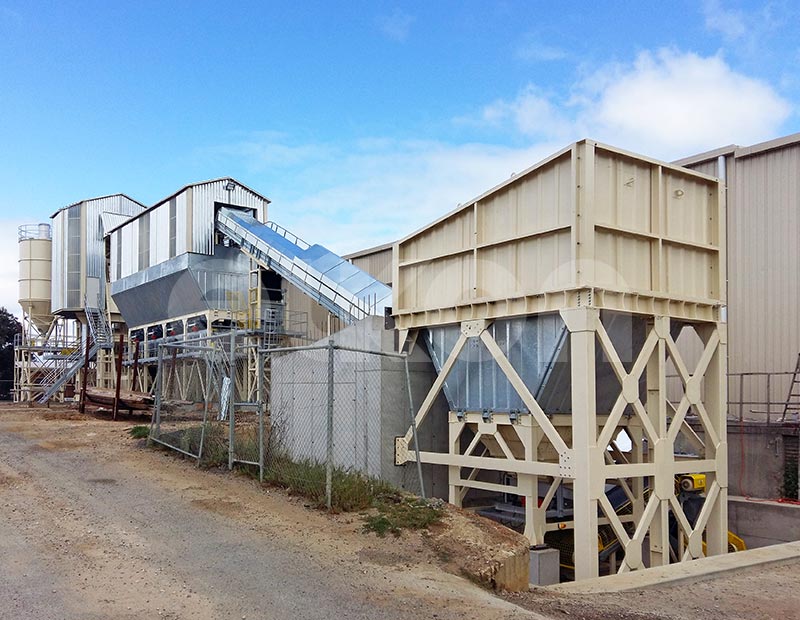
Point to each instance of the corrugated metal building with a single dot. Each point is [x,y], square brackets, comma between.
[181,223]
[78,269]
[164,262]
[763,203]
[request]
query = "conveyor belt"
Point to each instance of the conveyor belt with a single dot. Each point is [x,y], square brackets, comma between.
[339,286]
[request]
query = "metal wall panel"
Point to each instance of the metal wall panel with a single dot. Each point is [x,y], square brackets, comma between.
[73,263]
[591,217]
[378,264]
[764,294]
[763,216]
[94,230]
[159,235]
[79,247]
[204,197]
[319,319]
[130,247]
[180,223]
[93,240]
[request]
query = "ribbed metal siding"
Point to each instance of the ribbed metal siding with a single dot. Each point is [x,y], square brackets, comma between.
[318,319]
[82,223]
[763,258]
[180,223]
[203,199]
[93,228]
[378,265]
[130,247]
[764,289]
[763,214]
[74,248]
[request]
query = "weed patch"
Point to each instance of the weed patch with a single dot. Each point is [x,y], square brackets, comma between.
[350,490]
[140,432]
[396,512]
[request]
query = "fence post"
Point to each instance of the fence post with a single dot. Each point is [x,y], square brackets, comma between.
[412,413]
[85,373]
[118,372]
[206,398]
[329,458]
[157,404]
[232,371]
[260,387]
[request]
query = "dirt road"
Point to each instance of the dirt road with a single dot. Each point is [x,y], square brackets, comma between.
[95,527]
[92,525]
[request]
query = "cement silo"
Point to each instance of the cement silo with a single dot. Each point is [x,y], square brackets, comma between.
[35,247]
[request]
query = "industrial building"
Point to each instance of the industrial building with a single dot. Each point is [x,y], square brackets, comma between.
[575,321]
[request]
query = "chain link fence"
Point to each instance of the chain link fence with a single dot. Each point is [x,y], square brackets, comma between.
[319,420]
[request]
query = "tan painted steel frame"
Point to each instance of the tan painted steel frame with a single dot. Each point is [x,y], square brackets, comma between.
[579,450]
[186,378]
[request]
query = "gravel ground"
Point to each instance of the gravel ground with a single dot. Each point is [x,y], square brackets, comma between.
[93,525]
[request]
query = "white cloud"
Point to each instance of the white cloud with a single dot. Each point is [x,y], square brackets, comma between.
[349,196]
[532,113]
[396,25]
[679,103]
[730,23]
[665,104]
[533,50]
[374,191]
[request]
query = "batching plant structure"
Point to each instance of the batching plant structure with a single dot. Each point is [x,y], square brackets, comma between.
[551,306]
[64,298]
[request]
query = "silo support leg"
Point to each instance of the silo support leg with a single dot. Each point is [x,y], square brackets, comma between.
[581,324]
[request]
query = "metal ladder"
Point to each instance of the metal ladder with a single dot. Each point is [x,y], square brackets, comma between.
[792,404]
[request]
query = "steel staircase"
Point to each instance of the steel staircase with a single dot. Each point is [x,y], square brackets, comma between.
[65,367]
[98,326]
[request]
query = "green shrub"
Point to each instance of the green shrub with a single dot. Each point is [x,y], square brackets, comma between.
[140,432]
[396,512]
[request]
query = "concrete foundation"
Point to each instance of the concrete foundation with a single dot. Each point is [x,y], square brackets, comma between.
[762,523]
[759,455]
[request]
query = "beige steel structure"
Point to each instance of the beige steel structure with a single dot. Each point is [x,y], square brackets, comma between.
[589,230]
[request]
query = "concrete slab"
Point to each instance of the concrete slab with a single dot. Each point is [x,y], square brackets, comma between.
[698,570]
[761,522]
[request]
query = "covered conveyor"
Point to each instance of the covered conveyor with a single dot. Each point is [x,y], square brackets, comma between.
[339,286]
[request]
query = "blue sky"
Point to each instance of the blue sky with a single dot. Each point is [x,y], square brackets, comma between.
[363,121]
